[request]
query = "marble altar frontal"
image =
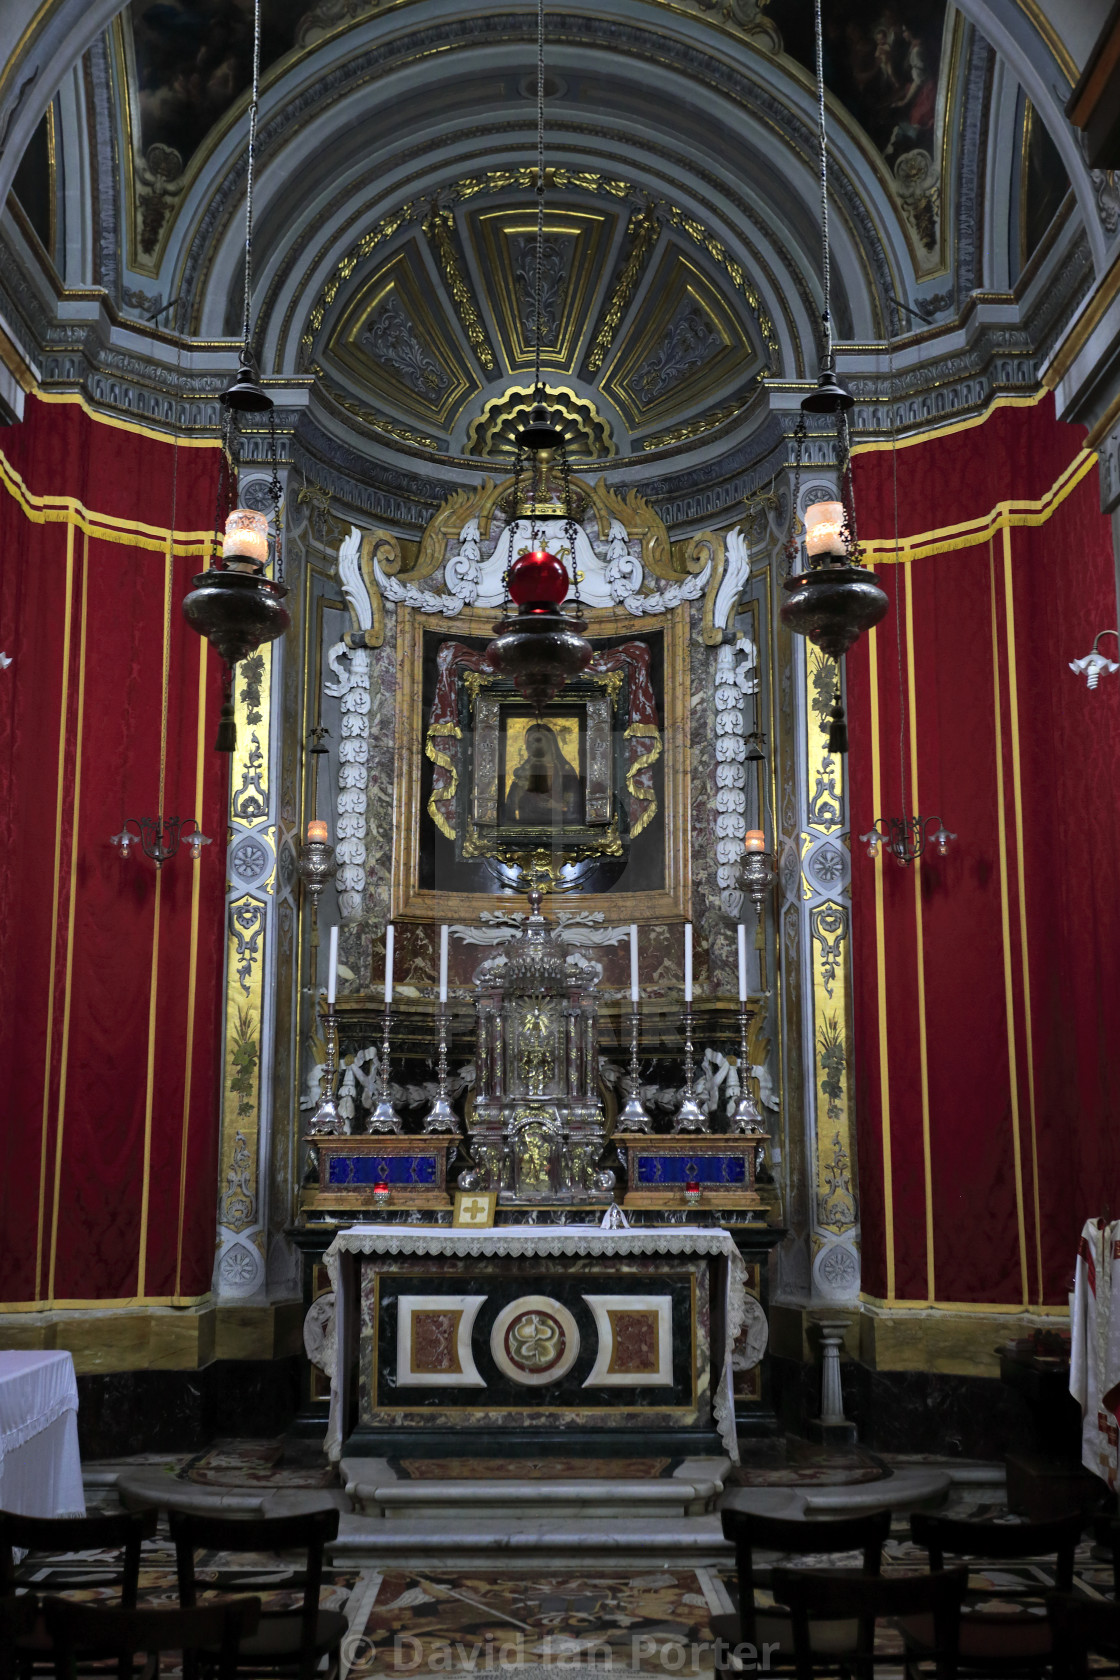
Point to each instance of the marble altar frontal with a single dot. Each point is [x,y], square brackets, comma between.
[594,1339]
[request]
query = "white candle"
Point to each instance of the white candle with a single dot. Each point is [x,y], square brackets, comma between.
[389,963]
[443,963]
[688,962]
[332,969]
[633,962]
[742,962]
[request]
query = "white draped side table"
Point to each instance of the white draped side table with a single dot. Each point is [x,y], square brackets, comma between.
[40,1466]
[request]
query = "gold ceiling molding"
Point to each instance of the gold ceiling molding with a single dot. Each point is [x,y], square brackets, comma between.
[439,228]
[586,432]
[370,416]
[641,236]
[694,428]
[394,339]
[683,345]
[524,179]
[574,254]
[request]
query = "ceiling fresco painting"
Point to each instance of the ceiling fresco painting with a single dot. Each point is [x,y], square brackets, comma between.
[186,63]
[887,65]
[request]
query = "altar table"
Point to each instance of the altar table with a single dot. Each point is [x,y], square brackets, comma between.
[40,1467]
[453,1341]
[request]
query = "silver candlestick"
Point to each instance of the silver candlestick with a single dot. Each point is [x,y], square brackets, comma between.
[326,1120]
[384,1117]
[441,1116]
[633,1117]
[746,1116]
[689,1116]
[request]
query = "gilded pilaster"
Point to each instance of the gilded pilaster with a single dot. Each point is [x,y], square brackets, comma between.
[817,1003]
[241,1258]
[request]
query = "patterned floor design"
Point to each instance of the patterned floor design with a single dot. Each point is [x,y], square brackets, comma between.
[423,1625]
[806,1464]
[267,1464]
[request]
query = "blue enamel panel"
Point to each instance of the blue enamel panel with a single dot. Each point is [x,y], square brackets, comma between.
[381,1169]
[680,1169]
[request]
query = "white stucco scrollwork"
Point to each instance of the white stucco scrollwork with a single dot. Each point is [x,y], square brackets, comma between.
[736,678]
[353,692]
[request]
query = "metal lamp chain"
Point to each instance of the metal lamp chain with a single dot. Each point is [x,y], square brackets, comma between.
[538,328]
[251,164]
[822,137]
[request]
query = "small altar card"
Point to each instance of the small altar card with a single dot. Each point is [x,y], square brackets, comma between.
[474,1208]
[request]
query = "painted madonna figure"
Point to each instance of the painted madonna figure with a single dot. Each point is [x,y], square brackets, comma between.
[545,790]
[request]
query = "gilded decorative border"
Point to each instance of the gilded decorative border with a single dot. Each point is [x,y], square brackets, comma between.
[412,903]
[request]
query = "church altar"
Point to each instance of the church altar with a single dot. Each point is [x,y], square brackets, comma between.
[576,1337]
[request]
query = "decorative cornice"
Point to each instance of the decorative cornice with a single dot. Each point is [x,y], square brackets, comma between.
[365,483]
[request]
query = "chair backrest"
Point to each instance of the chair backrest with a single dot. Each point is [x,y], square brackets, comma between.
[1081,1625]
[17,1616]
[99,1630]
[310,1532]
[123,1531]
[801,1536]
[967,1537]
[848,1594]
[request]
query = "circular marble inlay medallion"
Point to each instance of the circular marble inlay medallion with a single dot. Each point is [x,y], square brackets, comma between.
[534,1340]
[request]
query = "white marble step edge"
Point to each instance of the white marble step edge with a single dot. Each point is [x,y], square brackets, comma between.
[458,1542]
[508,1493]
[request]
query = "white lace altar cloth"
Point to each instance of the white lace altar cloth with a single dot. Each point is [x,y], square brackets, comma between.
[543,1242]
[40,1467]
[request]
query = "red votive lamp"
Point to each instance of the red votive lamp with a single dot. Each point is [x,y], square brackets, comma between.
[692,1191]
[538,579]
[317,830]
[754,840]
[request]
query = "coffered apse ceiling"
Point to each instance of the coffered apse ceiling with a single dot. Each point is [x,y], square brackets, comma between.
[395,212]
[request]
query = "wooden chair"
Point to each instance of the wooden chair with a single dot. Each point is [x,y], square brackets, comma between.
[290,1641]
[123,1532]
[1106,1532]
[1082,1626]
[752,1626]
[101,1631]
[17,1617]
[1008,1643]
[825,1593]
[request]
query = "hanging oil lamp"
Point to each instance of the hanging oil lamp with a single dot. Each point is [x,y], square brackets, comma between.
[835,598]
[233,604]
[540,646]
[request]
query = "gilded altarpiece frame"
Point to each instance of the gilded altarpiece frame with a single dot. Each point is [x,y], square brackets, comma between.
[412,901]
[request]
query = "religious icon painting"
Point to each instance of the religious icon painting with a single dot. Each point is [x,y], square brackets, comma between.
[474,1208]
[589,796]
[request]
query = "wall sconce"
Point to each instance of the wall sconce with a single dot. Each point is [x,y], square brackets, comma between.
[159,840]
[1094,663]
[905,838]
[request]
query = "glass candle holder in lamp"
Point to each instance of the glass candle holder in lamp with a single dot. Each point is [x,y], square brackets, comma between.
[754,840]
[824,528]
[246,539]
[317,830]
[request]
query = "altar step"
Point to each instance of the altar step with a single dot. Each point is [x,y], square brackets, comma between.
[376,1490]
[520,1542]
